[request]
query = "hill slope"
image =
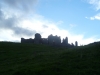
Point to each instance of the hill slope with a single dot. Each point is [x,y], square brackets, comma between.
[31,59]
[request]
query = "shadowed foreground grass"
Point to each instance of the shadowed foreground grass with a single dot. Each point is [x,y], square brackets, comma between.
[31,59]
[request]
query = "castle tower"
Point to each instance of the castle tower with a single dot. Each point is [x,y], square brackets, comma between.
[22,40]
[50,39]
[37,38]
[76,43]
[66,40]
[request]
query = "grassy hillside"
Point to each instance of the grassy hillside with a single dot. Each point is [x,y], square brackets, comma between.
[31,59]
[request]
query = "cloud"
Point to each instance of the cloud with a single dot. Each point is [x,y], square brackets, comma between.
[11,23]
[72,25]
[12,12]
[46,27]
[24,5]
[95,3]
[1,15]
[18,19]
[96,17]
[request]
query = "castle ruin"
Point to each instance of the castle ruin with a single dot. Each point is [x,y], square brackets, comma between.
[51,40]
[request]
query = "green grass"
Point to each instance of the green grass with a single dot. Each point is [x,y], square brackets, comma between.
[32,59]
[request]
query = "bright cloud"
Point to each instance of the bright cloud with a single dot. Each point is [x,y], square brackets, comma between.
[46,28]
[16,22]
[97,17]
[95,3]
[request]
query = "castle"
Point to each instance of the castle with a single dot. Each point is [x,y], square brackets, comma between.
[51,40]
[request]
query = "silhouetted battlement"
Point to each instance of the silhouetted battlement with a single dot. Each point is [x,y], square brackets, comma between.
[76,43]
[54,39]
[37,38]
[51,40]
[27,40]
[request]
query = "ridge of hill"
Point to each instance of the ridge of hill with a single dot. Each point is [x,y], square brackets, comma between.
[33,59]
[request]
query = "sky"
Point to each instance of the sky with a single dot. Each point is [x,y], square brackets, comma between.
[79,20]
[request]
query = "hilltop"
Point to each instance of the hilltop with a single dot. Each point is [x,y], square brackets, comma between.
[38,59]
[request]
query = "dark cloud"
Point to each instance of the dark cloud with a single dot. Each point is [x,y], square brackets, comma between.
[11,24]
[21,31]
[12,21]
[1,14]
[7,23]
[24,5]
